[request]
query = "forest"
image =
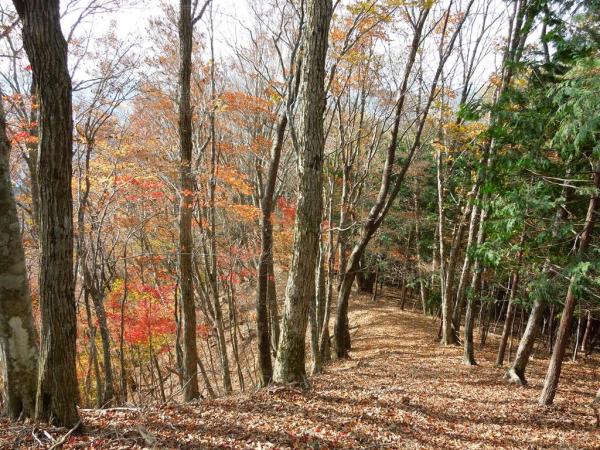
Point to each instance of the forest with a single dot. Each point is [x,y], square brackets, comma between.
[299,224]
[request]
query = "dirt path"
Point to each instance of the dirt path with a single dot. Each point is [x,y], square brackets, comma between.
[399,390]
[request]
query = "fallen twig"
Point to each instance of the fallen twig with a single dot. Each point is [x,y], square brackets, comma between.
[63,439]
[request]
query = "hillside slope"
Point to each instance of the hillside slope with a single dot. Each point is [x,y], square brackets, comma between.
[399,390]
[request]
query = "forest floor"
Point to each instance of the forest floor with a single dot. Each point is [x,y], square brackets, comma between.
[399,390]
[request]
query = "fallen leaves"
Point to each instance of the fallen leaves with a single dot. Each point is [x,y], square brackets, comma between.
[399,390]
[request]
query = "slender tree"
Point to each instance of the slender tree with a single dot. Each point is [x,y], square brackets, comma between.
[187,184]
[560,344]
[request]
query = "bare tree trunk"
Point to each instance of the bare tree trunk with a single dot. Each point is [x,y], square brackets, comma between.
[516,373]
[266,317]
[93,353]
[58,390]
[187,185]
[585,342]
[273,309]
[422,286]
[577,335]
[468,348]
[511,307]
[560,345]
[18,337]
[309,142]
[317,313]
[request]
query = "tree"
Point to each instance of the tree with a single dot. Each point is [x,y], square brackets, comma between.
[309,141]
[187,184]
[57,391]
[18,337]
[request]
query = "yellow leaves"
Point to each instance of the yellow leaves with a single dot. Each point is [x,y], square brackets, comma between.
[438,146]
[496,80]
[466,131]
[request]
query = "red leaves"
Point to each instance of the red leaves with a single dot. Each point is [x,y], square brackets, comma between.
[288,211]
[148,314]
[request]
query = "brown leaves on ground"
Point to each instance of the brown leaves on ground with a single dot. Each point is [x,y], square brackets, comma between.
[399,390]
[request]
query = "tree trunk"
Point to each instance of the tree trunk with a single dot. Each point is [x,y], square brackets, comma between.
[273,309]
[462,284]
[309,142]
[58,391]
[318,313]
[560,345]
[187,185]
[468,348]
[385,197]
[266,320]
[18,337]
[516,373]
[510,311]
[474,292]
[585,342]
[422,286]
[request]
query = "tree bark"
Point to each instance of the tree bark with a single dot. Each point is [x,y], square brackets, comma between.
[468,348]
[290,363]
[516,372]
[266,296]
[58,391]
[18,337]
[585,342]
[510,310]
[187,185]
[560,344]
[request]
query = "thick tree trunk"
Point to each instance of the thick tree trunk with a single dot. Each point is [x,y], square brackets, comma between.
[18,338]
[290,363]
[560,345]
[187,186]
[46,48]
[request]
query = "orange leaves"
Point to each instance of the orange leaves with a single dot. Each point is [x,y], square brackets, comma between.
[24,137]
[243,213]
[234,180]
[234,101]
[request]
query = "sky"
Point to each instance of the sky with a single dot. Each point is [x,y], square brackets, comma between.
[131,20]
